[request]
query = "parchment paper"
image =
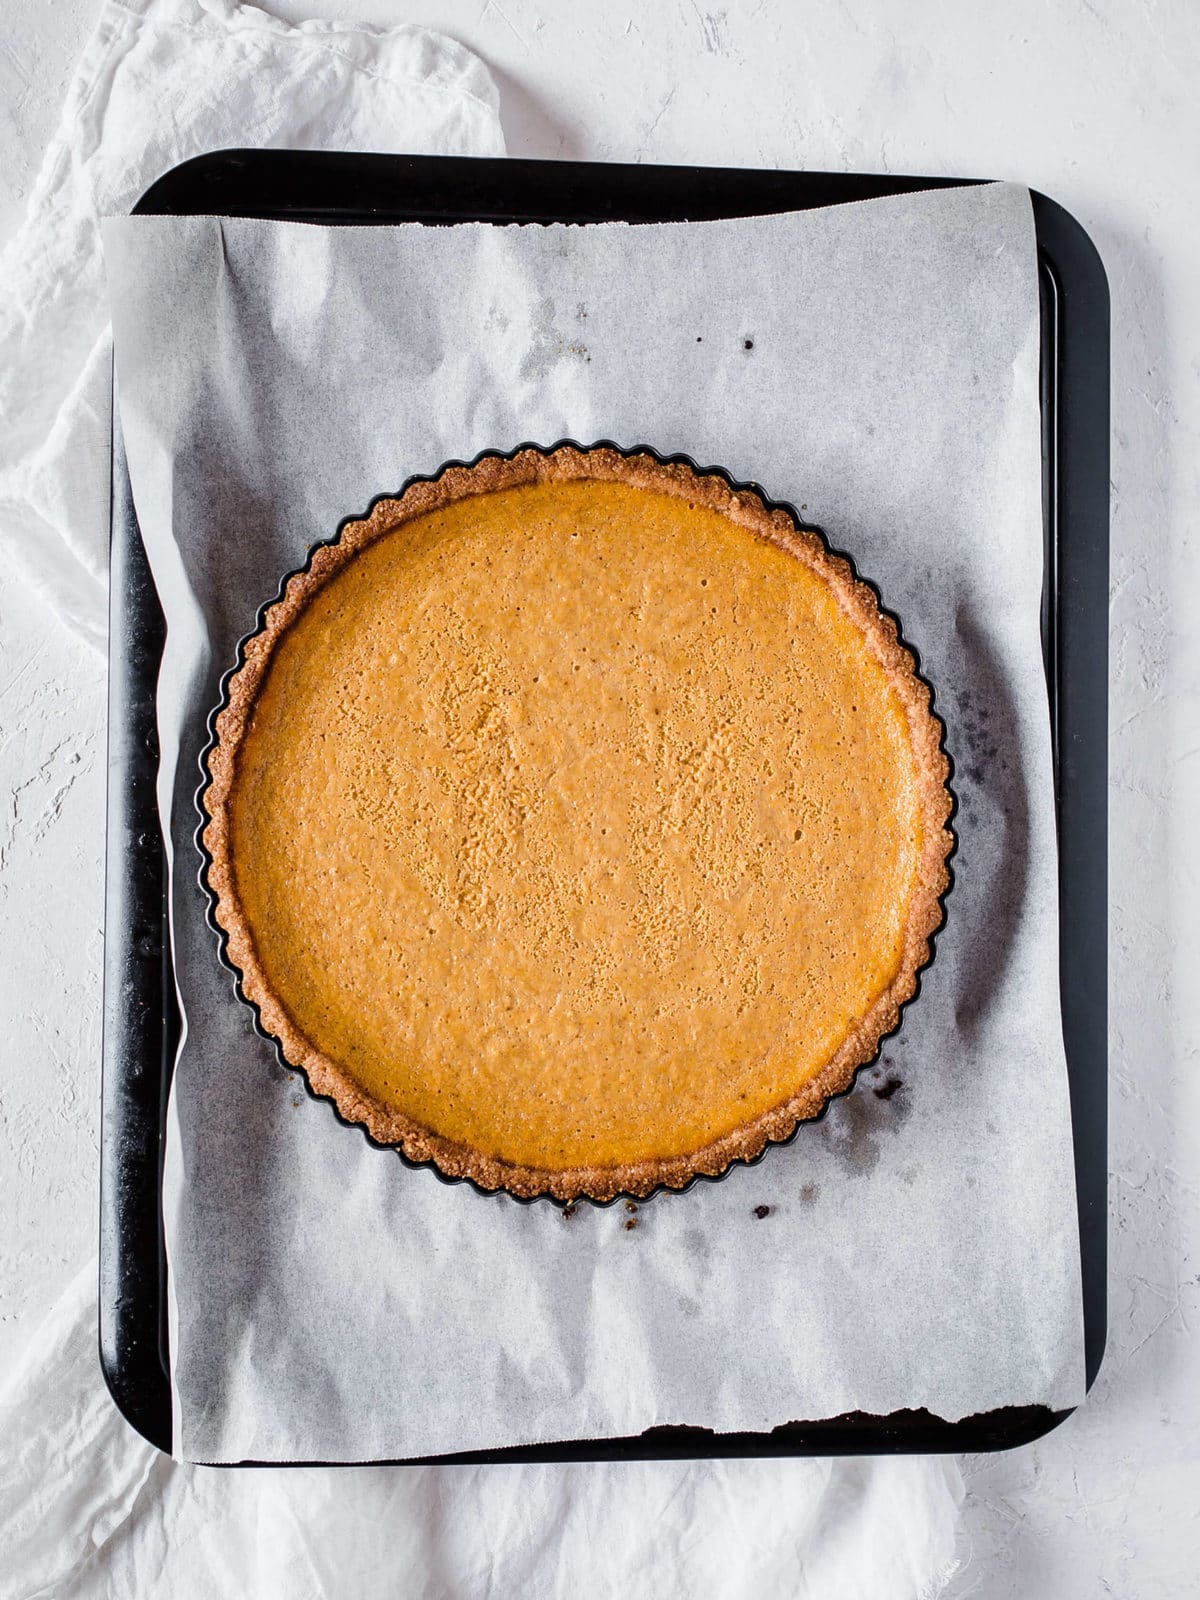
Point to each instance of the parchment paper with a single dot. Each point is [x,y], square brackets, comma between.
[876,364]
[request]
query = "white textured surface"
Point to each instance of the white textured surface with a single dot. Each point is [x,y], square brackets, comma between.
[1095,103]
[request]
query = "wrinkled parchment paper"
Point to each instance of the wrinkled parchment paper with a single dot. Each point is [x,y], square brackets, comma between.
[876,364]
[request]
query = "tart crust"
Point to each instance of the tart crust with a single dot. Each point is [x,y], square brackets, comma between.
[744,506]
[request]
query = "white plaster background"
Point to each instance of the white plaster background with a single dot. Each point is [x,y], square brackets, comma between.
[1096,103]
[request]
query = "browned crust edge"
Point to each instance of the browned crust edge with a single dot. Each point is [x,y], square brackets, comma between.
[747,508]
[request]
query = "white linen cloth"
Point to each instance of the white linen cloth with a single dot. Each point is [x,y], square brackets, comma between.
[86,1507]
[162,81]
[88,1510]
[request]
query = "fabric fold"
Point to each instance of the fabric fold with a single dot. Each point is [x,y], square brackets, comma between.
[230,75]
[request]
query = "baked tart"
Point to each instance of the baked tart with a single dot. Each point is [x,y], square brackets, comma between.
[577,822]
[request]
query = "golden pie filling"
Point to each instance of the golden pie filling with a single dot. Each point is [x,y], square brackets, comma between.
[577,823]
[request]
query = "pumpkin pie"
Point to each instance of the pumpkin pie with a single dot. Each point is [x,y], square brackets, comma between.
[577,822]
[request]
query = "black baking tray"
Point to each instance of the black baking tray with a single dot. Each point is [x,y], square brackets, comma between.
[141,1024]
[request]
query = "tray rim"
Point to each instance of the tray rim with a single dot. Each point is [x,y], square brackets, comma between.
[902,1431]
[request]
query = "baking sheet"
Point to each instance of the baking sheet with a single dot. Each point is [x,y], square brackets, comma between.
[876,364]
